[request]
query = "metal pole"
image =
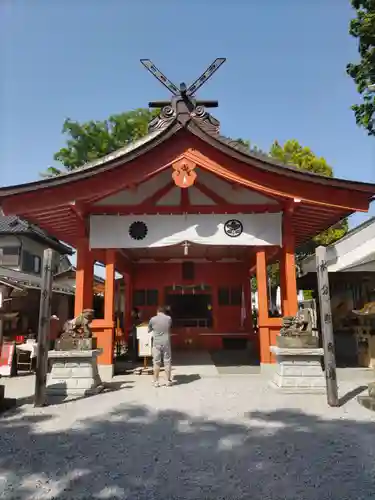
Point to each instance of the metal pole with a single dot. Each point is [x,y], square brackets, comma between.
[326,326]
[44,329]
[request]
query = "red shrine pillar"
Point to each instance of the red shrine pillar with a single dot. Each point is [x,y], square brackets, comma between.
[109,305]
[263,323]
[103,329]
[248,324]
[128,296]
[288,275]
[84,277]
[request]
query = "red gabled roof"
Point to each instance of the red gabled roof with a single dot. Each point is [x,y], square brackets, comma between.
[59,204]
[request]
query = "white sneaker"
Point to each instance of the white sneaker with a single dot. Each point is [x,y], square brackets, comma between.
[169,383]
[156,384]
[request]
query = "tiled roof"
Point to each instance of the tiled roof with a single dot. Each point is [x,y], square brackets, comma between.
[156,137]
[23,280]
[11,224]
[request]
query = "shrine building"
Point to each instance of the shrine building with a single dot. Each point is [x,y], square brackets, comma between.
[187,217]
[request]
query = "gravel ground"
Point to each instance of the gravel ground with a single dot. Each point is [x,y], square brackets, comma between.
[208,438]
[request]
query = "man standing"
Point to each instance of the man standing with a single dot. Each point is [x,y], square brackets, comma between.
[160,325]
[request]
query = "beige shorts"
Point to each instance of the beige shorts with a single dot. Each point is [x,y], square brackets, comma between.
[162,353]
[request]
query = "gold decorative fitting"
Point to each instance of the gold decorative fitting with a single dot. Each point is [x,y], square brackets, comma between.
[183,173]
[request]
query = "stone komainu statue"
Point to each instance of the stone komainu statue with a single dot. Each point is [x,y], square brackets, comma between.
[79,326]
[296,325]
[76,333]
[297,331]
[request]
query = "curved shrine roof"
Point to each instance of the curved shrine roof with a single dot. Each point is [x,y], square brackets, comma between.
[154,138]
[54,203]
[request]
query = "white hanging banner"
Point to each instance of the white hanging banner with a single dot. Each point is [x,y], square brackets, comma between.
[147,231]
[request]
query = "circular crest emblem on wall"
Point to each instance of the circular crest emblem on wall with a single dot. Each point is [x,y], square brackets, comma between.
[233,228]
[138,230]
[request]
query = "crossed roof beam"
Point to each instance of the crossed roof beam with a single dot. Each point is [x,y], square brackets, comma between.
[184,92]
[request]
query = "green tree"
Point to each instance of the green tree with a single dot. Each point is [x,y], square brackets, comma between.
[253,148]
[362,27]
[91,140]
[292,153]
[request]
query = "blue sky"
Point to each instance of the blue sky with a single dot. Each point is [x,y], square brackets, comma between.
[284,77]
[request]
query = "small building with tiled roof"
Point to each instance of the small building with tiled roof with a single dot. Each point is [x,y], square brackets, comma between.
[22,245]
[351,269]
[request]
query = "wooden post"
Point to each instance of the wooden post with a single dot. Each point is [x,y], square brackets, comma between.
[326,326]
[1,319]
[43,329]
[1,333]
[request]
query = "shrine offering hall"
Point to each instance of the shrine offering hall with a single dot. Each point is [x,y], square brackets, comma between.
[187,217]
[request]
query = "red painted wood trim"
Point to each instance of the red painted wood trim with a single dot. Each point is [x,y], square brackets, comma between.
[219,200]
[288,268]
[261,274]
[109,285]
[203,209]
[133,172]
[184,145]
[84,278]
[185,201]
[210,158]
[159,194]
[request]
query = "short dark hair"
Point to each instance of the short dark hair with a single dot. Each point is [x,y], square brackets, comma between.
[161,309]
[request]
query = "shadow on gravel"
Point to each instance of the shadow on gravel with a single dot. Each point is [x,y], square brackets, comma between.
[352,394]
[134,453]
[60,399]
[185,379]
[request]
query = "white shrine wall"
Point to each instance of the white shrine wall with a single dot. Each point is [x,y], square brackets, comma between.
[112,231]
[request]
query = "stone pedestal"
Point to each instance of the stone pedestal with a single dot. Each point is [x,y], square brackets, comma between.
[74,373]
[302,341]
[6,403]
[299,370]
[368,401]
[75,344]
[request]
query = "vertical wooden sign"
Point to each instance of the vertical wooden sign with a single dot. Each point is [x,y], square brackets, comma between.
[326,326]
[44,329]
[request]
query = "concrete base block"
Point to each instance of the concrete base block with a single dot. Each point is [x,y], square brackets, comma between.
[297,390]
[73,373]
[106,372]
[299,370]
[6,403]
[268,369]
[367,402]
